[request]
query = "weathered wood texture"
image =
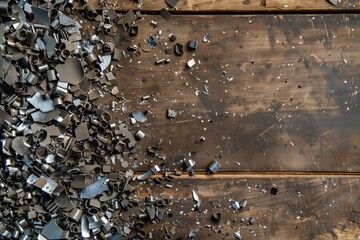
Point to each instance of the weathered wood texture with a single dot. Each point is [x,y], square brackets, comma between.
[292,104]
[229,5]
[306,208]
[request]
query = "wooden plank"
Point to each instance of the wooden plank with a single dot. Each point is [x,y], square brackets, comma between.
[292,106]
[305,208]
[230,5]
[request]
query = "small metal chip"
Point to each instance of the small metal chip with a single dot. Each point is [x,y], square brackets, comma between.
[171,113]
[191,63]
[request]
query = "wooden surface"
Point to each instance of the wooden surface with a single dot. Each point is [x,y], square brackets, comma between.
[305,208]
[288,119]
[230,5]
[292,104]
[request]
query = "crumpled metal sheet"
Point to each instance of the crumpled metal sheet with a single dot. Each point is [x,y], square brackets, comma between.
[71,71]
[82,132]
[42,102]
[105,63]
[20,146]
[94,189]
[52,231]
[41,16]
[44,117]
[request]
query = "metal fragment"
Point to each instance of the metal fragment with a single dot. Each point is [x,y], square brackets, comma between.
[71,71]
[155,169]
[191,63]
[82,132]
[90,12]
[333,2]
[193,233]
[140,134]
[274,191]
[42,117]
[171,113]
[20,145]
[5,9]
[193,44]
[237,235]
[188,164]
[105,63]
[139,116]
[214,167]
[129,17]
[179,49]
[172,3]
[165,14]
[52,231]
[196,198]
[42,102]
[94,189]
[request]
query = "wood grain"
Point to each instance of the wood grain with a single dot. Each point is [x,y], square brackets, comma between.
[292,104]
[305,208]
[207,6]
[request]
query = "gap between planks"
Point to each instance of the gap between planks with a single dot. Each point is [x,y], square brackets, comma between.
[241,12]
[233,175]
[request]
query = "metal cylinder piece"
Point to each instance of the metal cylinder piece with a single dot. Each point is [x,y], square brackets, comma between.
[32,78]
[75,214]
[90,12]
[43,67]
[140,134]
[5,9]
[61,155]
[90,58]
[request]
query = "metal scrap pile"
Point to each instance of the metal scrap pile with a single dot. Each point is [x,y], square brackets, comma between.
[60,147]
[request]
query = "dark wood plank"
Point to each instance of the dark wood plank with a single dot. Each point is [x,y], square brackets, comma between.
[305,208]
[229,5]
[292,106]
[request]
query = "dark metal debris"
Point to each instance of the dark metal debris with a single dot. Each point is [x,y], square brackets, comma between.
[179,49]
[193,44]
[165,14]
[172,3]
[274,191]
